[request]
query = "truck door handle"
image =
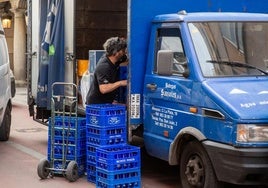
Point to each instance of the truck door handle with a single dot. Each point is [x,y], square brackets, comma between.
[151,86]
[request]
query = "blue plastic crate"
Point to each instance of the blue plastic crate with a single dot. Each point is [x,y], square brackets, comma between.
[91,153]
[68,121]
[127,178]
[105,115]
[65,126]
[91,178]
[72,150]
[91,167]
[117,139]
[107,131]
[71,153]
[118,157]
[68,133]
[106,136]
[91,172]
[123,184]
[58,165]
[80,143]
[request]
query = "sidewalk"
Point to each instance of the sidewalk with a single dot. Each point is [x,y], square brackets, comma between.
[20,96]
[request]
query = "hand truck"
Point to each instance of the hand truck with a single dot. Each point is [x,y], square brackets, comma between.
[63,110]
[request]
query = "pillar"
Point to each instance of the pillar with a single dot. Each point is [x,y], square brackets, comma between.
[18,8]
[19,47]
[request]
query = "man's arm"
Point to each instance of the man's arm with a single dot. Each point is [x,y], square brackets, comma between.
[107,88]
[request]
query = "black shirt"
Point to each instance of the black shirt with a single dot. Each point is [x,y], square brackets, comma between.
[105,73]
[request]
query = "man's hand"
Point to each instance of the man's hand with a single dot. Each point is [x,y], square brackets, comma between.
[123,83]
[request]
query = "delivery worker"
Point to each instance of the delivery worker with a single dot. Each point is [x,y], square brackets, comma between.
[103,88]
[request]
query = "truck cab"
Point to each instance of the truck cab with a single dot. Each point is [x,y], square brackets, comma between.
[5,89]
[205,96]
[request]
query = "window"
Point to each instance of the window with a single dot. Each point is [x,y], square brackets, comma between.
[169,39]
[231,48]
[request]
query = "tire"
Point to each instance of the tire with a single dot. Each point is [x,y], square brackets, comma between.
[196,170]
[72,171]
[5,125]
[43,169]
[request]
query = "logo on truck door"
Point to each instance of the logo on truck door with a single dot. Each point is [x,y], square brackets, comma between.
[170,91]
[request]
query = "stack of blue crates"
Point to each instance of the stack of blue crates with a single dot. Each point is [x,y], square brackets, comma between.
[106,127]
[118,166]
[68,141]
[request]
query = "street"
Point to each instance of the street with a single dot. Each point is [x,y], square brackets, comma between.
[20,156]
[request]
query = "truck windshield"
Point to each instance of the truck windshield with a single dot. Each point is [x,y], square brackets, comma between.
[231,48]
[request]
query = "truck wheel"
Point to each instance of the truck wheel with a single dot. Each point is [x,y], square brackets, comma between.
[5,125]
[43,169]
[72,171]
[196,169]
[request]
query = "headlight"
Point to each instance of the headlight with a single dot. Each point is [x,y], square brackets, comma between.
[252,133]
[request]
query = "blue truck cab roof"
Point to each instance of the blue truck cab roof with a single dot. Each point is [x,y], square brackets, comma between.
[182,16]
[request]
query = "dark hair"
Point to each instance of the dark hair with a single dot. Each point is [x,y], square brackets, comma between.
[114,44]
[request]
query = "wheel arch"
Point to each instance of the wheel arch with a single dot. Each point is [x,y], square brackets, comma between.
[185,135]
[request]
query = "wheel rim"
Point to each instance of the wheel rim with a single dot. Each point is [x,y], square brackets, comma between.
[75,171]
[195,171]
[46,170]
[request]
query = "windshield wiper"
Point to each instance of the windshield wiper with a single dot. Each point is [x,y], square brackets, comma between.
[238,64]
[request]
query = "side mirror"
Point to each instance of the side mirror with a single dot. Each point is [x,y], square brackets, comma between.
[164,62]
[172,63]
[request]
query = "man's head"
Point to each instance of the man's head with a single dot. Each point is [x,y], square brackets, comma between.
[114,45]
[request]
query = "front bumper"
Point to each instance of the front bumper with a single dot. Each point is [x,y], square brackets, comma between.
[244,166]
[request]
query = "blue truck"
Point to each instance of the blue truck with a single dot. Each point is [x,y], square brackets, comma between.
[198,84]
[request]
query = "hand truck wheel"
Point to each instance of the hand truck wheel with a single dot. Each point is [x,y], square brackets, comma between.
[72,171]
[43,169]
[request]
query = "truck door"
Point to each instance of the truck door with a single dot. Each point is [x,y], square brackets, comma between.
[167,95]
